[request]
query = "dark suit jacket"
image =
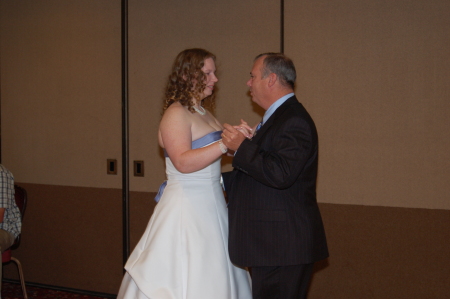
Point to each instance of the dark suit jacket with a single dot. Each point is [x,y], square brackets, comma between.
[274,219]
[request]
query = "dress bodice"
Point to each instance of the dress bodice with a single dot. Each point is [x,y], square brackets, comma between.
[211,172]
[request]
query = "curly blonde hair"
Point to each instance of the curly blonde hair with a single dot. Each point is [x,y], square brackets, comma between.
[187,80]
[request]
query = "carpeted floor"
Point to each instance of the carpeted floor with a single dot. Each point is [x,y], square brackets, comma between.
[14,291]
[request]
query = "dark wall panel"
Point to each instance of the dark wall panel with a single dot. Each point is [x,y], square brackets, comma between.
[72,238]
[384,252]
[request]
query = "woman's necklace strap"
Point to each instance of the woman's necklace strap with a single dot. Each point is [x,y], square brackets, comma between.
[201,112]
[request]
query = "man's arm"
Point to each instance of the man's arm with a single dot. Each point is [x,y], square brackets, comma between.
[279,163]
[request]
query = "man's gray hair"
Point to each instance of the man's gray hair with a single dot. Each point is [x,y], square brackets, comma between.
[280,65]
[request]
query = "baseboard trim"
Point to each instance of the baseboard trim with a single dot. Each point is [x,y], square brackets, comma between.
[63,289]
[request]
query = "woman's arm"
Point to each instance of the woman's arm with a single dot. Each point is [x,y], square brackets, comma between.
[176,137]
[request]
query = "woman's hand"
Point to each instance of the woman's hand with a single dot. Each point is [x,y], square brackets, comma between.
[245,129]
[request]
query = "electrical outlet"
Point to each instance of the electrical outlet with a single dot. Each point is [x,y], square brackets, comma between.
[138,168]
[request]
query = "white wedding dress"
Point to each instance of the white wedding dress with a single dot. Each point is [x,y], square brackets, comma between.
[183,253]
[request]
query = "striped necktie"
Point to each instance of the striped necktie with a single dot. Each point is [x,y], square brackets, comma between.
[258,127]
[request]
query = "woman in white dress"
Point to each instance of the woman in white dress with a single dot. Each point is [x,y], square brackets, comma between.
[183,253]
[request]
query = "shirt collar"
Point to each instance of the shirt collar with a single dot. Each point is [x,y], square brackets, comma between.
[275,106]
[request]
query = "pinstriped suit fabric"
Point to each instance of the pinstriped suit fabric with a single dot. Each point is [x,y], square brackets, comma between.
[274,219]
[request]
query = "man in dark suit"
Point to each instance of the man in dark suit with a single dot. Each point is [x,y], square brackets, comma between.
[275,226]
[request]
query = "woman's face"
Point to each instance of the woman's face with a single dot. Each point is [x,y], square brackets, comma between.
[209,68]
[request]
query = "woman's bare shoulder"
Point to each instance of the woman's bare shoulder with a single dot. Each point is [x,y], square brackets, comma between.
[175,108]
[175,124]
[175,112]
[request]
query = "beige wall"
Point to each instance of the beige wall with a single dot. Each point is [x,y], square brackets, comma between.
[159,30]
[61,91]
[61,77]
[374,76]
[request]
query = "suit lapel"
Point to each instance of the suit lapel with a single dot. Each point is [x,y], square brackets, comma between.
[274,117]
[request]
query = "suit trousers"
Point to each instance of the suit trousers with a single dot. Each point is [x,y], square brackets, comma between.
[285,282]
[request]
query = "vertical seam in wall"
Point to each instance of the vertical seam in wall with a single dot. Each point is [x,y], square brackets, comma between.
[125,137]
[281,26]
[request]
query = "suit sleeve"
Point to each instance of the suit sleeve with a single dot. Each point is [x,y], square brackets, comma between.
[282,154]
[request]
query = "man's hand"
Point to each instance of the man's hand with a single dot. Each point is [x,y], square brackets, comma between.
[231,137]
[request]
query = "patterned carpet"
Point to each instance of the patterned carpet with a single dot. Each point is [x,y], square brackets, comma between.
[14,291]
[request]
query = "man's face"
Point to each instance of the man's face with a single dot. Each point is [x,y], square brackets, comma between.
[257,84]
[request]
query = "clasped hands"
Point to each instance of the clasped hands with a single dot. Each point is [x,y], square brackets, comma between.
[233,136]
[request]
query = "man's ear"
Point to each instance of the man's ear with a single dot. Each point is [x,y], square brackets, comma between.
[272,79]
